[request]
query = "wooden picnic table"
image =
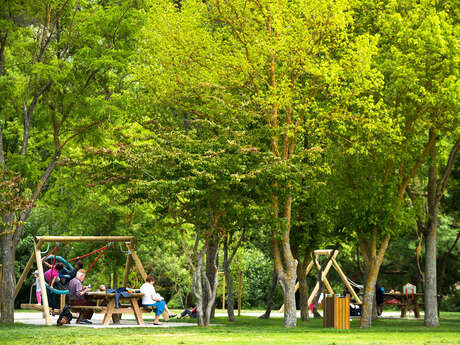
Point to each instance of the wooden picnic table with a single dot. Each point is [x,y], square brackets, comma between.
[406,302]
[106,305]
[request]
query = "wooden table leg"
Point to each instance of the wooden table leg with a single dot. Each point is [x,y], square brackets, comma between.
[403,310]
[137,311]
[62,303]
[416,308]
[116,318]
[109,313]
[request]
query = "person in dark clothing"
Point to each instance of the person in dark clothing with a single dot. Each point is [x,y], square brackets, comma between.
[379,293]
[67,276]
[191,313]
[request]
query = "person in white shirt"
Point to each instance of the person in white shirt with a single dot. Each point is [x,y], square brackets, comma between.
[153,299]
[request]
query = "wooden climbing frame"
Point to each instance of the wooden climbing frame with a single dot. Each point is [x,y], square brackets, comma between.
[36,257]
[332,262]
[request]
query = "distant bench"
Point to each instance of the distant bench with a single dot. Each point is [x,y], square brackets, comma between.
[406,302]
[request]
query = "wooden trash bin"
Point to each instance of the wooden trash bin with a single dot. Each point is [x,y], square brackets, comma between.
[336,312]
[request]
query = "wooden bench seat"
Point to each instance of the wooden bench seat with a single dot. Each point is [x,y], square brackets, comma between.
[147,310]
[123,309]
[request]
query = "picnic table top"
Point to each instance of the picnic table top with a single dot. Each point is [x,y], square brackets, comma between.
[103,294]
[400,294]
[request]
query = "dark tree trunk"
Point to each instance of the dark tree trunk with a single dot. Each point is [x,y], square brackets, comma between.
[270,296]
[303,289]
[228,278]
[373,260]
[319,281]
[430,290]
[8,283]
[210,281]
[212,248]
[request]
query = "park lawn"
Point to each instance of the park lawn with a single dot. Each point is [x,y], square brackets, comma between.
[246,330]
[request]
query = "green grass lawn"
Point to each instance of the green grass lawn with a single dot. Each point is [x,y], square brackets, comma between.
[246,330]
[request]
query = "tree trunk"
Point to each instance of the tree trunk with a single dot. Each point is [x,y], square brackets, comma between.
[303,290]
[369,295]
[373,260]
[286,264]
[271,294]
[8,283]
[211,282]
[319,281]
[431,301]
[212,248]
[229,280]
[198,290]
[290,312]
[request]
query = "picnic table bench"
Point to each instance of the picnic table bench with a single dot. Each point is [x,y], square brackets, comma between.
[109,307]
[106,305]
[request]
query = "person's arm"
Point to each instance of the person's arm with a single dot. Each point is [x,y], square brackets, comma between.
[52,281]
[84,290]
[80,291]
[156,297]
[47,264]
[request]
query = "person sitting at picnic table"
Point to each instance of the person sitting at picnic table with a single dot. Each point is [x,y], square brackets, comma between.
[77,297]
[152,299]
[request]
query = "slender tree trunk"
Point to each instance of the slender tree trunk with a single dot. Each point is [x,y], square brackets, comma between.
[319,281]
[270,296]
[198,290]
[286,265]
[431,300]
[211,283]
[8,283]
[229,280]
[303,289]
[442,276]
[212,248]
[373,261]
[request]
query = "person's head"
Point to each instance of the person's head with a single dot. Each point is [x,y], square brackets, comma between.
[150,279]
[36,273]
[102,287]
[78,265]
[62,321]
[81,274]
[59,266]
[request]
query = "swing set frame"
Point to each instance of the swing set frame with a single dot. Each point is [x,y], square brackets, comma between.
[36,256]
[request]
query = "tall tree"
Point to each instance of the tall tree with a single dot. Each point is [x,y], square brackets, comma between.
[269,64]
[418,44]
[57,79]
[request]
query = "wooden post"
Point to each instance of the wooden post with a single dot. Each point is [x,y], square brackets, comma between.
[346,282]
[239,292]
[62,302]
[137,261]
[24,275]
[41,275]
